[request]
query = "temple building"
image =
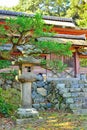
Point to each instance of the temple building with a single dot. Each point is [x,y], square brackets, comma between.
[66,31]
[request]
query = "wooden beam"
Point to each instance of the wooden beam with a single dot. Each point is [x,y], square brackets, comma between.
[70,31]
[83,56]
[76,64]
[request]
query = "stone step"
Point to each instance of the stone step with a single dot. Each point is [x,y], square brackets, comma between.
[75,106]
[84,89]
[84,105]
[62,91]
[75,89]
[66,95]
[69,100]
[80,111]
[85,85]
[60,86]
[78,105]
[77,94]
[74,94]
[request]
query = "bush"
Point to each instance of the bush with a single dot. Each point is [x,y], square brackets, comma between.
[10,75]
[9,101]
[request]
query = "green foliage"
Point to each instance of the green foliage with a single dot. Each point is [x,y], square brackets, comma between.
[83,62]
[23,31]
[54,47]
[55,65]
[78,10]
[9,75]
[45,7]
[82,21]
[4,64]
[9,101]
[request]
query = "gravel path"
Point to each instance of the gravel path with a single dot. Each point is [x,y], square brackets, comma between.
[6,124]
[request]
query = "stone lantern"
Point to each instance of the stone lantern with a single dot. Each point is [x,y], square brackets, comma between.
[26,109]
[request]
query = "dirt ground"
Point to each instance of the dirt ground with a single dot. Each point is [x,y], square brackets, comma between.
[48,120]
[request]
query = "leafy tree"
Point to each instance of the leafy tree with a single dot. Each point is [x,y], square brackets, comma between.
[47,7]
[25,34]
[4,64]
[78,10]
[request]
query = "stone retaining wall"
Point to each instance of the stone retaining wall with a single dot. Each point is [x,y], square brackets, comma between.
[61,94]
[74,92]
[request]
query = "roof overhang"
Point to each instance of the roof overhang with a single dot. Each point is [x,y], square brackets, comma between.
[51,20]
[64,41]
[60,23]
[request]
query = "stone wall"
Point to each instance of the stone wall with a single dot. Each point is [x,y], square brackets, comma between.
[7,83]
[58,93]
[74,92]
[46,95]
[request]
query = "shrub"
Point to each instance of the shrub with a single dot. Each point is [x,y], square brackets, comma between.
[9,101]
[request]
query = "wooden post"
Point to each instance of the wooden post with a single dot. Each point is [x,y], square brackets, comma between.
[76,64]
[20,70]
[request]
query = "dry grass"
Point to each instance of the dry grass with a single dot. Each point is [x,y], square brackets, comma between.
[53,120]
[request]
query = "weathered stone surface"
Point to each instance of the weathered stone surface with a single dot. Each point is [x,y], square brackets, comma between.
[42,91]
[27,113]
[9,82]
[74,82]
[49,105]
[62,91]
[40,84]
[26,95]
[43,105]
[77,94]
[39,77]
[34,86]
[81,85]
[85,94]
[85,85]
[75,85]
[73,92]
[16,85]
[57,106]
[39,99]
[67,95]
[69,100]
[27,77]
[81,82]
[75,106]
[84,89]
[80,112]
[6,86]
[29,59]
[23,121]
[75,89]
[84,105]
[84,99]
[60,86]
[36,106]
[83,77]
[62,106]
[78,100]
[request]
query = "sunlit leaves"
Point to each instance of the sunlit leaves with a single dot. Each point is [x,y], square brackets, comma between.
[4,64]
[54,47]
[78,10]
[27,31]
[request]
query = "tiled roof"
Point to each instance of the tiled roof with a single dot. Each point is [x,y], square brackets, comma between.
[64,41]
[54,18]
[66,36]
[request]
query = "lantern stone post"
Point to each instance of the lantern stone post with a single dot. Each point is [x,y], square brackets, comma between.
[26,110]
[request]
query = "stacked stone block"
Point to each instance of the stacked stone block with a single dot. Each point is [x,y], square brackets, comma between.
[75,93]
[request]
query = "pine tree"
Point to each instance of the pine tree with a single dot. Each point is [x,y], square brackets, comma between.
[26,32]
